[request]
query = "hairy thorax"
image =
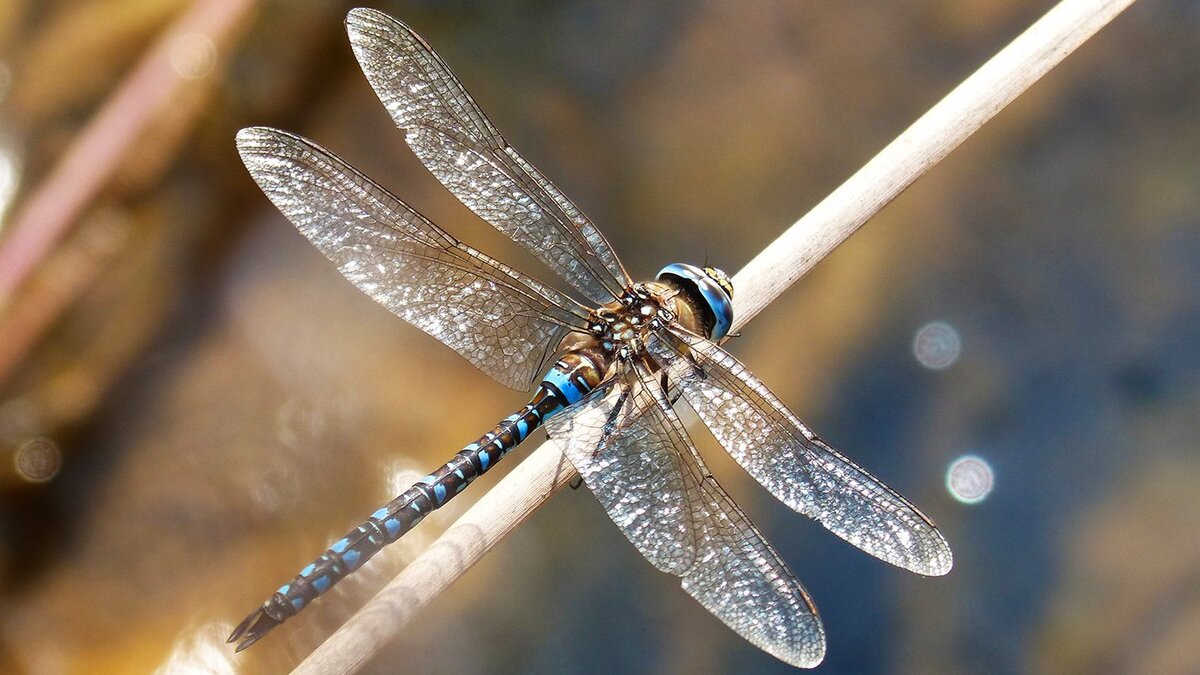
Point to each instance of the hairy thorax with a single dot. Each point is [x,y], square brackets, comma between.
[618,330]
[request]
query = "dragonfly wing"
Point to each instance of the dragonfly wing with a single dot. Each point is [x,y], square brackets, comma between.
[634,454]
[796,466]
[460,146]
[634,468]
[504,322]
[741,580]
[737,575]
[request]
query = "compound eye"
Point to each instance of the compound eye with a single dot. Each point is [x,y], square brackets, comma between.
[712,287]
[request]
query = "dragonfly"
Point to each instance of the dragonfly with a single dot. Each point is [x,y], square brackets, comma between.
[606,373]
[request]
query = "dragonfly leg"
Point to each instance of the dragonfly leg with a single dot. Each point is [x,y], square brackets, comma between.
[610,424]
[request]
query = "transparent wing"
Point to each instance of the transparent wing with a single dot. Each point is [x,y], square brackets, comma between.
[634,468]
[782,454]
[452,137]
[633,452]
[743,582]
[737,575]
[502,321]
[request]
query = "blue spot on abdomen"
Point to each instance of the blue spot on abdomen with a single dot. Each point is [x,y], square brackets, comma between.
[563,383]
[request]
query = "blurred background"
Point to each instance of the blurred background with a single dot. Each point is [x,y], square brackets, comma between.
[193,403]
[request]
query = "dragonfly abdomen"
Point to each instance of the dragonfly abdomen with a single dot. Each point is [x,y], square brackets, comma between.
[566,383]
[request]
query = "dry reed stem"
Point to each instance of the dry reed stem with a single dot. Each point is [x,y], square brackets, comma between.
[789,257]
[100,148]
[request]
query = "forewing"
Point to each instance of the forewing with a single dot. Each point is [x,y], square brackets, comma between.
[502,321]
[796,466]
[455,140]
[634,467]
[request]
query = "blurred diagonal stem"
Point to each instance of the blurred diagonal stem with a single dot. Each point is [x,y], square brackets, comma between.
[110,135]
[789,257]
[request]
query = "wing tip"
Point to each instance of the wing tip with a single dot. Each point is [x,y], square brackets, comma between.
[933,559]
[938,564]
[807,653]
[263,140]
[361,19]
[804,653]
[249,135]
[251,139]
[803,659]
[370,30]
[362,15]
[942,563]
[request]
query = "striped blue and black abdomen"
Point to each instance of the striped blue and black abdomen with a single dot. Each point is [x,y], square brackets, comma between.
[565,384]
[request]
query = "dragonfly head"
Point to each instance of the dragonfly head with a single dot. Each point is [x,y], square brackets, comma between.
[711,287]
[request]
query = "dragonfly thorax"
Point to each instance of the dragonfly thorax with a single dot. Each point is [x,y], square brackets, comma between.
[620,328]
